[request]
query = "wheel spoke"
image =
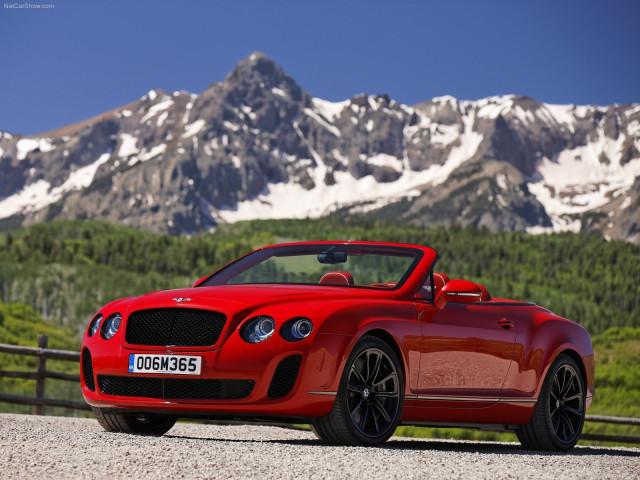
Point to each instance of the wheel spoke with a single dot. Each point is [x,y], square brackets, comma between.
[577,396]
[364,416]
[353,388]
[382,411]
[353,411]
[358,374]
[385,379]
[567,383]
[376,369]
[575,411]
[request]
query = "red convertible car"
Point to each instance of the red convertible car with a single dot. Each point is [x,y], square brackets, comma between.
[353,338]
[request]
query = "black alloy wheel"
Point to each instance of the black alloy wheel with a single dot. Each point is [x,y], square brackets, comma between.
[558,418]
[566,404]
[369,402]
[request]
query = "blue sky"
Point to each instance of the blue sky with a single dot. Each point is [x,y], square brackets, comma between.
[83,57]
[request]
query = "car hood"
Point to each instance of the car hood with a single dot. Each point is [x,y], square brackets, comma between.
[240,299]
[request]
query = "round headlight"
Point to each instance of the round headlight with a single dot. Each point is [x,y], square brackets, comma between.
[297,328]
[258,329]
[94,326]
[301,328]
[111,326]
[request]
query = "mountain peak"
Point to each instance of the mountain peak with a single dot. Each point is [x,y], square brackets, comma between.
[260,71]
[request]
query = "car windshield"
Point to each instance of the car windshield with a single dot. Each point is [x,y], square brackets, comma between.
[370,266]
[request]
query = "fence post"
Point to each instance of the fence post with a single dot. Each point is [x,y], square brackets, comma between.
[41,366]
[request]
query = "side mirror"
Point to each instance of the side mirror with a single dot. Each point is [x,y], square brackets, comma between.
[459,291]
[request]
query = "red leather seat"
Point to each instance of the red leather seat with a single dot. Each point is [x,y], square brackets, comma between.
[337,278]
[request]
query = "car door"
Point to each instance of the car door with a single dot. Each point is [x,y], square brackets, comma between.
[466,350]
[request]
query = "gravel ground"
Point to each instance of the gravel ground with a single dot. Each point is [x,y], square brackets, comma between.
[64,448]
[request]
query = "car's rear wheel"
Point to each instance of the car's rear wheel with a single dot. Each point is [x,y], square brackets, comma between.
[369,401]
[149,424]
[558,418]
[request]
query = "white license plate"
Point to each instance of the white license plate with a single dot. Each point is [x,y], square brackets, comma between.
[173,364]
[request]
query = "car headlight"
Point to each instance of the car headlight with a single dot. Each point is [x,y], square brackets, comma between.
[94,325]
[111,326]
[258,329]
[296,329]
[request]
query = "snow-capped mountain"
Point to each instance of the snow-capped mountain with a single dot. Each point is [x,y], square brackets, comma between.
[257,146]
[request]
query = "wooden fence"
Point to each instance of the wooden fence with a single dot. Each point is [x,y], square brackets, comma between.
[41,374]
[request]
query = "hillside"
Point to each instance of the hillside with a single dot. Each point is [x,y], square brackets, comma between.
[67,270]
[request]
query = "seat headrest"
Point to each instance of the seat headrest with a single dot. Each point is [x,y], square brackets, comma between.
[337,278]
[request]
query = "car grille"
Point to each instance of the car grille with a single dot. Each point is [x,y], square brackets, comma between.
[87,370]
[174,388]
[285,376]
[174,327]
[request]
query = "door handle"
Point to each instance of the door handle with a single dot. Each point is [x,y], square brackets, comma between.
[505,323]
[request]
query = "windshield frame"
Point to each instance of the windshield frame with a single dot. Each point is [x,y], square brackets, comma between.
[246,262]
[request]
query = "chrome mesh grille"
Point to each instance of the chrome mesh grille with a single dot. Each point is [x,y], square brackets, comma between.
[174,327]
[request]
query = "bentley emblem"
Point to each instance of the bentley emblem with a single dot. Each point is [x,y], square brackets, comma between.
[181,299]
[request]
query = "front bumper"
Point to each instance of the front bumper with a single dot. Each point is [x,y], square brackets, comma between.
[274,378]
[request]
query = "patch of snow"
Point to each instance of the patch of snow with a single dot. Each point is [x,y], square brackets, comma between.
[560,224]
[161,119]
[26,145]
[492,107]
[384,160]
[443,134]
[31,197]
[236,162]
[633,129]
[329,110]
[557,115]
[231,126]
[291,200]
[501,180]
[193,128]
[1,151]
[127,145]
[154,152]
[157,108]
[331,128]
[82,177]
[152,95]
[626,203]
[125,113]
[369,125]
[577,181]
[185,117]
[279,92]
[40,194]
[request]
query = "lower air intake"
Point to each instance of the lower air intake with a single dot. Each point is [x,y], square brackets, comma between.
[87,370]
[285,376]
[175,388]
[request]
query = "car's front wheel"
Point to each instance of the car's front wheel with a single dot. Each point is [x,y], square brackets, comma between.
[369,401]
[558,418]
[140,424]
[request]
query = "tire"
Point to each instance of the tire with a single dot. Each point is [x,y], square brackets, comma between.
[370,397]
[558,418]
[137,424]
